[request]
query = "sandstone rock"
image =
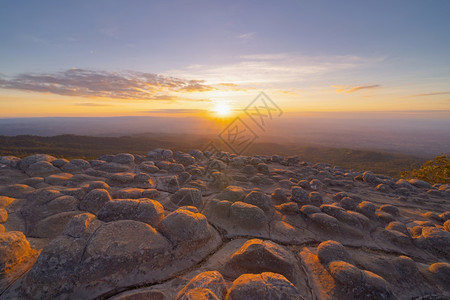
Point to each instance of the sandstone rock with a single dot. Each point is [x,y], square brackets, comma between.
[185,228]
[310,209]
[144,210]
[160,154]
[315,198]
[187,197]
[14,249]
[53,225]
[59,162]
[367,208]
[259,199]
[346,274]
[247,215]
[123,158]
[210,280]
[148,167]
[257,256]
[289,208]
[26,162]
[324,221]
[268,286]
[330,251]
[41,168]
[441,271]
[5,201]
[371,178]
[390,209]
[58,179]
[95,200]
[3,215]
[232,193]
[299,195]
[167,184]
[81,226]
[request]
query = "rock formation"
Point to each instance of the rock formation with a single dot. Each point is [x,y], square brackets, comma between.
[198,225]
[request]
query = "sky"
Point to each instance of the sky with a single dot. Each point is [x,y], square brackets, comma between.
[178,58]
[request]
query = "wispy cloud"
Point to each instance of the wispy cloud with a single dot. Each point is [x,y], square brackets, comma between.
[91,104]
[116,85]
[246,36]
[431,94]
[277,68]
[176,111]
[346,89]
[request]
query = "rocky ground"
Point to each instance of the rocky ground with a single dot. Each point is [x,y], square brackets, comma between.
[202,226]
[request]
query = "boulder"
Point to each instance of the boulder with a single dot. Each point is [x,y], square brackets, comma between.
[330,251]
[94,200]
[144,210]
[187,197]
[260,199]
[268,286]
[247,215]
[212,281]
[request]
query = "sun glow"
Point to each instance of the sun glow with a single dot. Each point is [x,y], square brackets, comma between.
[222,109]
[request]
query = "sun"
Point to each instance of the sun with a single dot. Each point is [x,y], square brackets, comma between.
[222,109]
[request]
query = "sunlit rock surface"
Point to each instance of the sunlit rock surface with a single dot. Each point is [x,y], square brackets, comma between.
[174,225]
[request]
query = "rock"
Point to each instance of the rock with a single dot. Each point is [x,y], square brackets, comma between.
[268,286]
[185,228]
[53,225]
[160,154]
[367,208]
[184,158]
[441,271]
[197,154]
[75,166]
[14,250]
[398,226]
[219,180]
[58,179]
[445,216]
[279,195]
[142,294]
[315,198]
[95,200]
[167,184]
[111,167]
[371,178]
[324,221]
[247,215]
[346,274]
[148,167]
[349,203]
[310,209]
[257,256]
[259,199]
[390,209]
[144,210]
[375,287]
[289,208]
[330,251]
[420,183]
[41,168]
[299,195]
[210,280]
[5,201]
[3,215]
[434,240]
[187,197]
[123,158]
[59,162]
[447,225]
[232,193]
[81,226]
[26,162]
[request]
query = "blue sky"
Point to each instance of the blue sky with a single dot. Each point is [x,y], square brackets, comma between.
[317,50]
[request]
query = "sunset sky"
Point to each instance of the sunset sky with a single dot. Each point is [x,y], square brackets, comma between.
[117,58]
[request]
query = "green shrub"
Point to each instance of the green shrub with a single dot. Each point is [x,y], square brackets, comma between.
[436,170]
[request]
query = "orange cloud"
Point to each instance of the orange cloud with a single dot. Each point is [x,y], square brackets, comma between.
[346,89]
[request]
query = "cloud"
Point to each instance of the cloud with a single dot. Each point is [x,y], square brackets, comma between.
[116,85]
[176,111]
[91,104]
[281,69]
[346,89]
[246,36]
[431,94]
